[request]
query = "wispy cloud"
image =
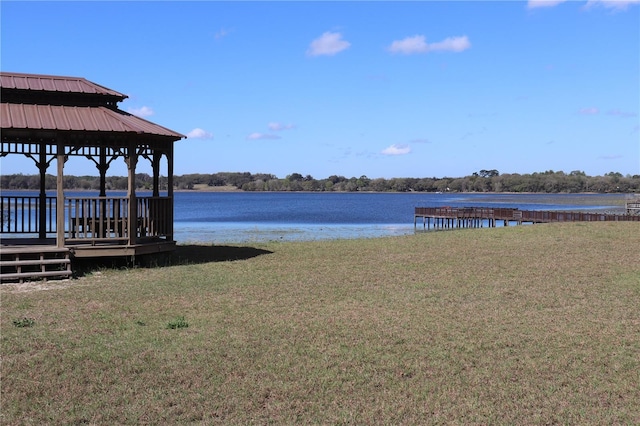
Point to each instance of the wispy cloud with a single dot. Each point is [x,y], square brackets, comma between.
[616,5]
[328,44]
[221,33]
[278,127]
[199,133]
[397,149]
[622,114]
[615,112]
[536,4]
[262,136]
[418,44]
[610,157]
[143,111]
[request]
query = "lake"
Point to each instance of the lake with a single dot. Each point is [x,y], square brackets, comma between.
[245,217]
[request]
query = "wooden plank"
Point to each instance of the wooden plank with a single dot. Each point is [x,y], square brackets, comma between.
[23,275]
[32,250]
[31,262]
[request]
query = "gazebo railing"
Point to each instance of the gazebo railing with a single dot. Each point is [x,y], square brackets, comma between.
[154,216]
[96,218]
[20,214]
[107,218]
[87,219]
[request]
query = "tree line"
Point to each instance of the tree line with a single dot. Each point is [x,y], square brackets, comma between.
[482,181]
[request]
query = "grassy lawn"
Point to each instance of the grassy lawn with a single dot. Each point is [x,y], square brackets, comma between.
[520,325]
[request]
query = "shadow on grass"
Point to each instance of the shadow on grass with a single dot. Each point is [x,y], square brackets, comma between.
[190,254]
[182,255]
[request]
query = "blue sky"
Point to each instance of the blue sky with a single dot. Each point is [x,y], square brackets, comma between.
[382,89]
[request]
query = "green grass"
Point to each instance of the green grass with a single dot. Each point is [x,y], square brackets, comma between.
[521,325]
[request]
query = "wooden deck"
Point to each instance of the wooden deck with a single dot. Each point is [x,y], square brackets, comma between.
[24,259]
[39,243]
[479,217]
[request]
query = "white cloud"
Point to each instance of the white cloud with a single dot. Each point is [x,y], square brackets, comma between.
[451,44]
[418,44]
[397,149]
[328,44]
[278,127]
[258,136]
[199,133]
[409,45]
[589,111]
[535,4]
[144,111]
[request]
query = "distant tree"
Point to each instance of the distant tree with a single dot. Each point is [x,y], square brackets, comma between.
[295,177]
[488,173]
[336,179]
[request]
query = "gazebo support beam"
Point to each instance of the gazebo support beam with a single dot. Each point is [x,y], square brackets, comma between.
[61,157]
[132,223]
[155,165]
[42,202]
[169,154]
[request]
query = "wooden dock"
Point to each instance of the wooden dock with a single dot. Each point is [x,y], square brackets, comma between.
[479,217]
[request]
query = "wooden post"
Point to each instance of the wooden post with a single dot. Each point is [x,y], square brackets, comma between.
[155,165]
[61,158]
[103,166]
[169,154]
[132,222]
[42,208]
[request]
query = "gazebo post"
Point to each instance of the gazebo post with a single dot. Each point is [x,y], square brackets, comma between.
[132,223]
[60,195]
[42,203]
[102,169]
[155,164]
[169,154]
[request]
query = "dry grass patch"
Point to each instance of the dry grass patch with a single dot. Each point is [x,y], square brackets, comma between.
[532,324]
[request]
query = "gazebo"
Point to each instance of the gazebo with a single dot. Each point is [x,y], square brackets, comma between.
[47,118]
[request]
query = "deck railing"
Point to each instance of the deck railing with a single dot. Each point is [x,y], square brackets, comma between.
[107,218]
[87,218]
[510,214]
[96,218]
[154,216]
[21,214]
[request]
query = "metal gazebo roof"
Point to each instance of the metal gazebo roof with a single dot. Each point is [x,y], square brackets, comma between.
[33,102]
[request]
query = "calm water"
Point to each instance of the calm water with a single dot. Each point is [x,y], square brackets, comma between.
[245,217]
[241,217]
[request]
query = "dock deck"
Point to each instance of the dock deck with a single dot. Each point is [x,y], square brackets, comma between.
[479,217]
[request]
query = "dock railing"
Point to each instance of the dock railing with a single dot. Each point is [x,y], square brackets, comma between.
[462,217]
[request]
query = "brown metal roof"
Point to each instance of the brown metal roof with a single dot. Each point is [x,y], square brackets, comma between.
[72,118]
[54,83]
[49,102]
